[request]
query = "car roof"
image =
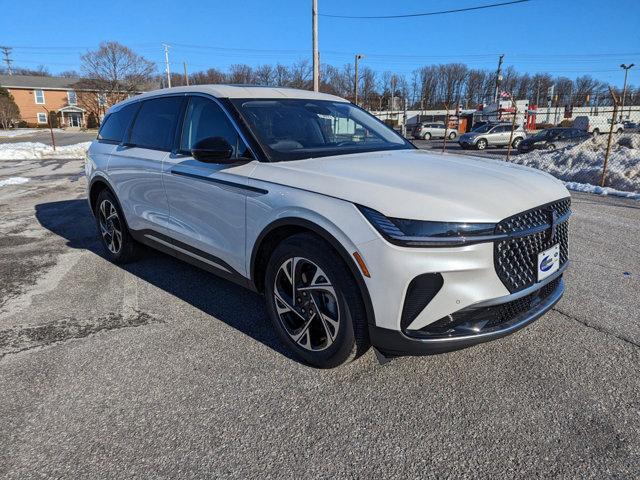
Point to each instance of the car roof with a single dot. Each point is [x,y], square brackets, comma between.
[238,91]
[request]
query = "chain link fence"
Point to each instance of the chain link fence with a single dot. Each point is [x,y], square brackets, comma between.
[589,150]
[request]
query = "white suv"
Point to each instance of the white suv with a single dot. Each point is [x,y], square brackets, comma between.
[355,237]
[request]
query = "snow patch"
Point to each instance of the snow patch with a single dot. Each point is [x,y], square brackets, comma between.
[36,150]
[585,187]
[582,163]
[19,132]
[13,181]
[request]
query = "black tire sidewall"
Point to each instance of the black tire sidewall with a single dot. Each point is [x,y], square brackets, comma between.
[344,345]
[128,250]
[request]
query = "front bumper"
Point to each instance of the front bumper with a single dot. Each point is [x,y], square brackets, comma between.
[398,343]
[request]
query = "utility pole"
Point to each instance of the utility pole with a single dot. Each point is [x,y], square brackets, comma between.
[624,89]
[186,75]
[498,78]
[166,61]
[359,57]
[6,51]
[314,35]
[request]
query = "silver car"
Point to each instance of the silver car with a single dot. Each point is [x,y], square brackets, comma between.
[492,135]
[427,131]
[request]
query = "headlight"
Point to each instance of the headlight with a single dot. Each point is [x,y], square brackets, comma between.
[420,233]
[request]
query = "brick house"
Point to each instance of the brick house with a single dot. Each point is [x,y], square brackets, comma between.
[36,95]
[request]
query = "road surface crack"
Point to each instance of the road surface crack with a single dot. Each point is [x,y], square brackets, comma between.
[22,338]
[596,328]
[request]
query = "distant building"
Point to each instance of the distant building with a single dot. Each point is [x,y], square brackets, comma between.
[36,95]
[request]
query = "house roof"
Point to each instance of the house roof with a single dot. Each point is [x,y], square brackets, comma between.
[34,81]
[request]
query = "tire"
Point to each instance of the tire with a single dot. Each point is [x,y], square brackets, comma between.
[596,132]
[426,136]
[551,147]
[619,131]
[452,135]
[118,244]
[481,144]
[516,142]
[329,304]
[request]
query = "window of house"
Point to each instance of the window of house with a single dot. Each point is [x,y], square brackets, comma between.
[155,123]
[102,100]
[72,97]
[39,96]
[42,117]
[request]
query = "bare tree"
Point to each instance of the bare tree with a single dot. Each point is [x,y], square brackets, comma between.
[264,75]
[9,112]
[115,70]
[211,76]
[241,74]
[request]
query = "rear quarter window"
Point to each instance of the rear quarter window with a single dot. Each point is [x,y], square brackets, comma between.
[155,123]
[116,124]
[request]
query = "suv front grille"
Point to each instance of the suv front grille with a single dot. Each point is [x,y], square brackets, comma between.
[516,258]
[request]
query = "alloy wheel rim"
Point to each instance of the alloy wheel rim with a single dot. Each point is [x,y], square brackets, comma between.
[110,226]
[306,304]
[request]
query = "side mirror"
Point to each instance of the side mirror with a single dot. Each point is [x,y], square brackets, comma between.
[212,150]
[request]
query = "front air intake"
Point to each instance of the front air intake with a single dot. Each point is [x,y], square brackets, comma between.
[421,291]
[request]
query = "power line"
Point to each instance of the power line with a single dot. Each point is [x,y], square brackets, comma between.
[427,14]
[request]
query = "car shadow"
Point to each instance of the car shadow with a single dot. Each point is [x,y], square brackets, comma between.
[223,300]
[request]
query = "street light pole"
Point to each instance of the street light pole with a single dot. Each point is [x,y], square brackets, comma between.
[624,89]
[314,35]
[359,56]
[166,61]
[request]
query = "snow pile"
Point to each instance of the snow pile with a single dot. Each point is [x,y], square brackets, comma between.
[34,150]
[583,163]
[18,132]
[13,181]
[585,187]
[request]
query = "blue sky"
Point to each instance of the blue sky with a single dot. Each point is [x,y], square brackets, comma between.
[563,37]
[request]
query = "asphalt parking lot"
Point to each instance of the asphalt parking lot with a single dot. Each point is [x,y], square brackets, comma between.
[159,370]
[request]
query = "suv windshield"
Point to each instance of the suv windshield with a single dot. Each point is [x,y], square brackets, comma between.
[293,129]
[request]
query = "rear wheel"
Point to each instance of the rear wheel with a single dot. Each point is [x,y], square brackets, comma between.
[314,302]
[551,147]
[118,244]
[452,135]
[516,142]
[426,136]
[596,132]
[481,144]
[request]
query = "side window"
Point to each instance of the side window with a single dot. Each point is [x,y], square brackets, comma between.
[115,125]
[205,119]
[155,123]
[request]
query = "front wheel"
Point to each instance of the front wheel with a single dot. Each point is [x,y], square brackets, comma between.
[426,136]
[314,302]
[516,143]
[482,144]
[452,135]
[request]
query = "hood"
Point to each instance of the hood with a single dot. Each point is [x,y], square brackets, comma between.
[421,185]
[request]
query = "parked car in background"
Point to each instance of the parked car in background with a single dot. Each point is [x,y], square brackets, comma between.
[492,135]
[631,127]
[427,131]
[553,138]
[596,124]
